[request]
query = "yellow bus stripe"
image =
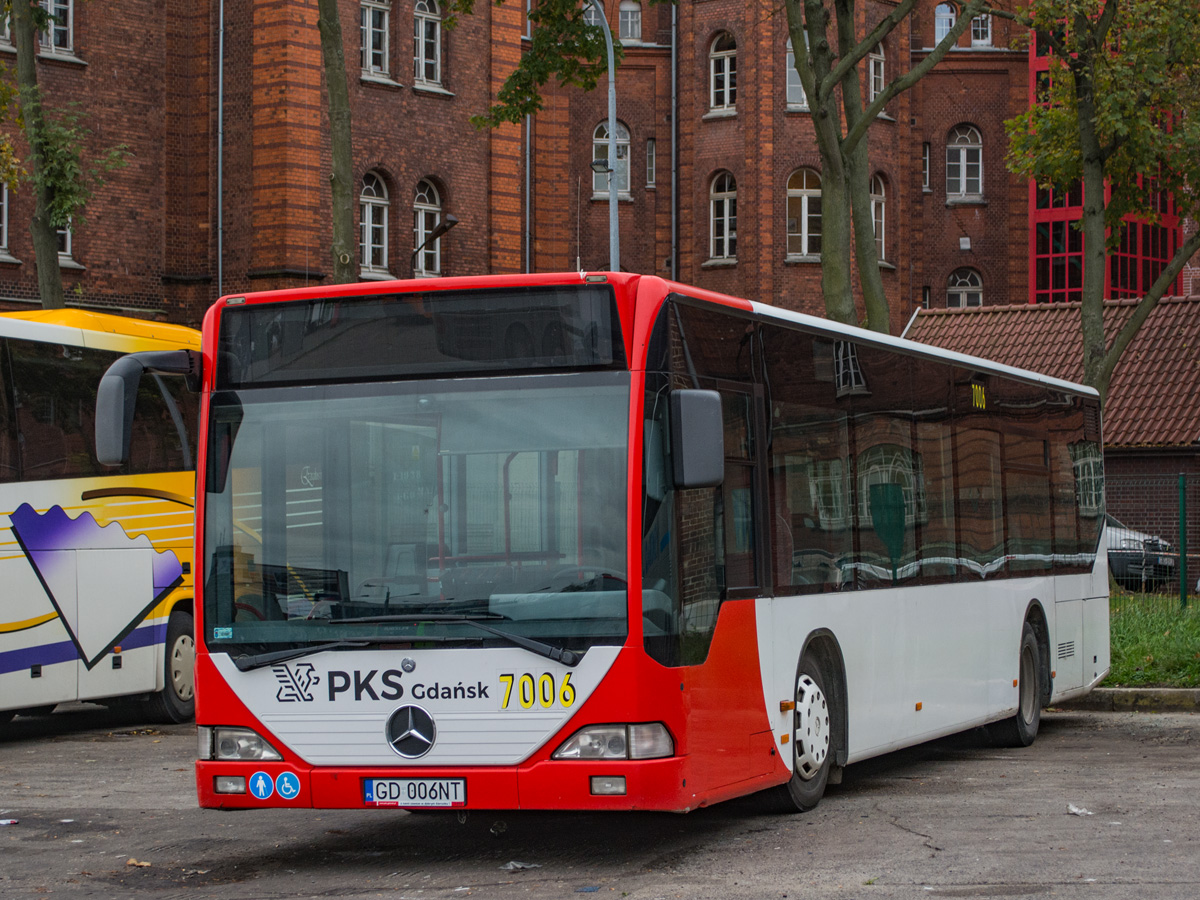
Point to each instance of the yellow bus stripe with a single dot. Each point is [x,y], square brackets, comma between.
[6,627]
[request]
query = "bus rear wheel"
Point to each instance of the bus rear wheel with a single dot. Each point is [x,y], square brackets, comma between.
[176,702]
[812,742]
[1021,730]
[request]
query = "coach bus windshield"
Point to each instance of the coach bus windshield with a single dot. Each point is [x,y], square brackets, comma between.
[441,467]
[410,503]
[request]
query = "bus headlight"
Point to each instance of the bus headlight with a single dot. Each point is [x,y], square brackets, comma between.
[225,743]
[643,741]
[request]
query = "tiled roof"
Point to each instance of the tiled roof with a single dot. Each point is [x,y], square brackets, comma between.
[1154,397]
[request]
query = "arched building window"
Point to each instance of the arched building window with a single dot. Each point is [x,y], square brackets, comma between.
[722,73]
[373,225]
[722,232]
[427,42]
[427,213]
[795,87]
[629,22]
[964,164]
[600,151]
[944,17]
[373,33]
[804,213]
[964,288]
[876,74]
[879,215]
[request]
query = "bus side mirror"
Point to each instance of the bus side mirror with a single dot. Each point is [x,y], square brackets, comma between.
[697,438]
[116,397]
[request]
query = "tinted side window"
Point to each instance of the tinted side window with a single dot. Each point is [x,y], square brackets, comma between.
[54,401]
[164,424]
[50,402]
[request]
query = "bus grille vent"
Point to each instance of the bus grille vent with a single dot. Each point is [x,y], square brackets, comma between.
[1066,649]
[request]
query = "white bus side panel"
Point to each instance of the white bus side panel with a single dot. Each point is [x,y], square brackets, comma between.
[923,661]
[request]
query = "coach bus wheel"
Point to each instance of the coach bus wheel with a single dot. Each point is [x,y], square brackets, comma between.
[176,702]
[812,742]
[1022,729]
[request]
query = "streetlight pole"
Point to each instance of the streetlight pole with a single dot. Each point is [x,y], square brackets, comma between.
[614,234]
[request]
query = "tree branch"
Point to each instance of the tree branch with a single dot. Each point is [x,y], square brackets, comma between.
[1146,306]
[912,76]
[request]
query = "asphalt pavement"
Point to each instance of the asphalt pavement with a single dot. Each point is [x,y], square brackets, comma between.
[1103,805]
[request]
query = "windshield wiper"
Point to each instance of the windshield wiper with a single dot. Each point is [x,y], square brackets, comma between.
[558,654]
[246,662]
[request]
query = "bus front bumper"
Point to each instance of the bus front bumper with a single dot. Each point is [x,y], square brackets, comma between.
[586,785]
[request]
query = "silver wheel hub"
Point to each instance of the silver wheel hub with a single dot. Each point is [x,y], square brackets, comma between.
[183,662]
[811,737]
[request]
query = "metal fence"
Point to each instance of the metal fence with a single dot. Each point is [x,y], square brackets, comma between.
[1154,533]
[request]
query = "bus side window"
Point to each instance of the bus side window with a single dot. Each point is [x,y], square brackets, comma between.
[54,389]
[10,469]
[163,421]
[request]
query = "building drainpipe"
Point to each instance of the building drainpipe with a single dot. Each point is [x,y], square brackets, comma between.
[220,148]
[528,192]
[674,141]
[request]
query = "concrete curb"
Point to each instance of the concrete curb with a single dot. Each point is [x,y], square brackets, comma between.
[1148,699]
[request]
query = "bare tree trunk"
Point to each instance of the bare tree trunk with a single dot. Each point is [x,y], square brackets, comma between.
[45,235]
[1092,222]
[341,176]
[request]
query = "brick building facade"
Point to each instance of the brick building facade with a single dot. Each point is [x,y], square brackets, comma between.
[226,189]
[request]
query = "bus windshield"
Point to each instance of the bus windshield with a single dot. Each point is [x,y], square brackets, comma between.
[405,511]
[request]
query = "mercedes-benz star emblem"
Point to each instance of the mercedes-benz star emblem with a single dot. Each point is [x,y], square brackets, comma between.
[411,732]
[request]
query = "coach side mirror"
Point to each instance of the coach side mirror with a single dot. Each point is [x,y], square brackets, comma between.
[116,397]
[697,438]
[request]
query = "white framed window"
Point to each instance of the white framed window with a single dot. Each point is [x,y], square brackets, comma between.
[795,87]
[925,165]
[373,225]
[651,162]
[722,73]
[427,42]
[964,288]
[879,215]
[374,16]
[600,151]
[944,17]
[804,213]
[427,215]
[65,233]
[964,164]
[722,206]
[875,73]
[59,36]
[629,22]
[981,31]
[590,16]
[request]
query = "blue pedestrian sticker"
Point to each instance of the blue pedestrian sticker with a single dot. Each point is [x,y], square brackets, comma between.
[287,785]
[261,785]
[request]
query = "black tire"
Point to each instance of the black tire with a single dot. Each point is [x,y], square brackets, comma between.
[1021,730]
[6,715]
[812,742]
[176,702]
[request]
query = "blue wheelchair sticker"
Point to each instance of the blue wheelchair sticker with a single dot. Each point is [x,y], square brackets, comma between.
[261,785]
[287,785]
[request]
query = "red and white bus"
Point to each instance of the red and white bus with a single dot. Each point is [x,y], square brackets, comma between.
[599,541]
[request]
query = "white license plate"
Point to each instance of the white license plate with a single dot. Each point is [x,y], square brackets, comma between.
[444,793]
[1166,561]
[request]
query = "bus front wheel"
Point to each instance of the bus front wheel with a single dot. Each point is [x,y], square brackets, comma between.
[176,702]
[812,741]
[1021,729]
